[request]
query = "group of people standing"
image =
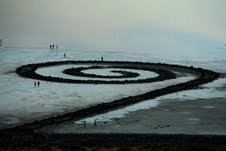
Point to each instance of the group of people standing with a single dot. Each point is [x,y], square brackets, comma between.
[36,84]
[52,47]
[94,123]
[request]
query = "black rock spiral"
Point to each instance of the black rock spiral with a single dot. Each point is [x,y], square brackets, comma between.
[164,72]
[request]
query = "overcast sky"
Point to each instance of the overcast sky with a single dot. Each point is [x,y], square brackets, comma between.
[114,25]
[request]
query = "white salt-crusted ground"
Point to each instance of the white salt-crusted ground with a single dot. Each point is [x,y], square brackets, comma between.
[200,111]
[21,102]
[56,71]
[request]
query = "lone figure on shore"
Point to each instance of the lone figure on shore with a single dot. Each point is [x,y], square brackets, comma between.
[1,43]
[84,124]
[102,58]
[95,123]
[64,55]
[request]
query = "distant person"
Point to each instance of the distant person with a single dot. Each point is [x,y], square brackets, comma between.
[50,47]
[95,123]
[57,47]
[102,58]
[35,84]
[84,124]
[53,46]
[38,83]
[1,43]
[64,55]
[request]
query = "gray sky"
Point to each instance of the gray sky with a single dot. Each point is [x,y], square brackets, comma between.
[116,25]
